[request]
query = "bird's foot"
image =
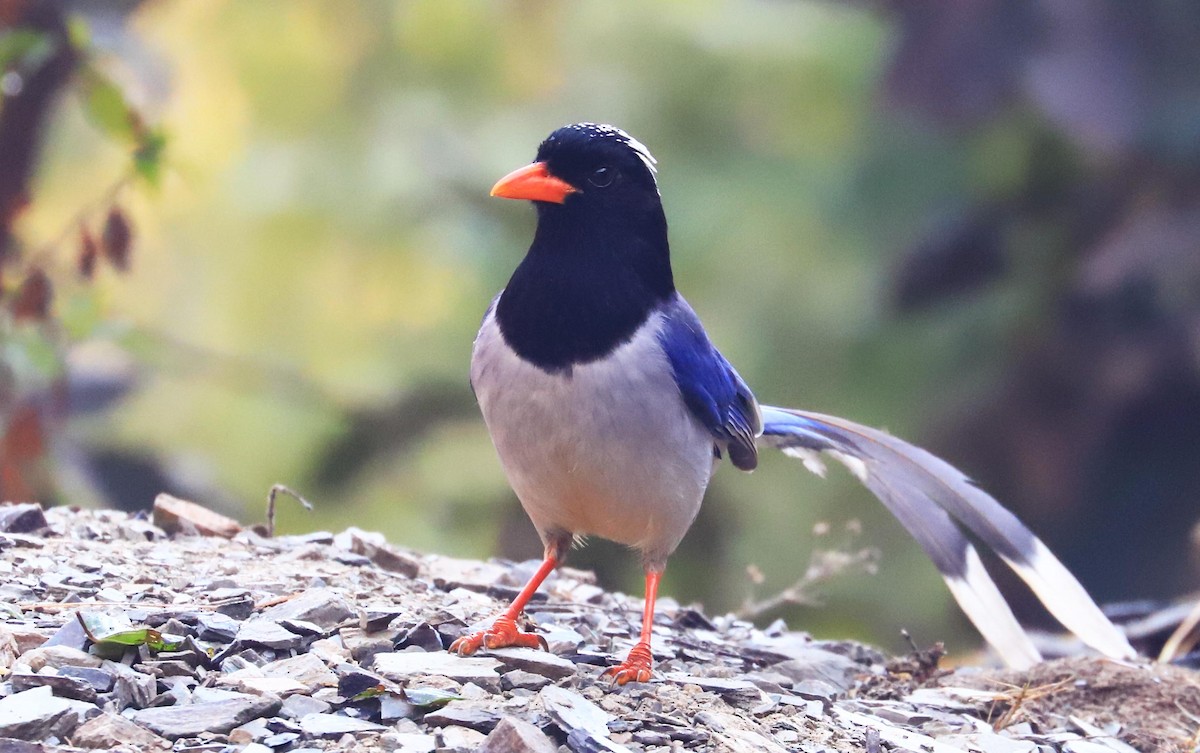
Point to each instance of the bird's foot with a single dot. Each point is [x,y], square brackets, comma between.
[502,633]
[635,668]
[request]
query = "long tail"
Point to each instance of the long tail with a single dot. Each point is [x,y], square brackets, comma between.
[928,496]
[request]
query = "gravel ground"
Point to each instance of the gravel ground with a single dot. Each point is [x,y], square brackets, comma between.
[186,632]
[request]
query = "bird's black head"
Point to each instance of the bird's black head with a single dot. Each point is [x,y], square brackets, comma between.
[599,262]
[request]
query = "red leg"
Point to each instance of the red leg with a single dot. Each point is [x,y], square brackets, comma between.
[636,667]
[503,631]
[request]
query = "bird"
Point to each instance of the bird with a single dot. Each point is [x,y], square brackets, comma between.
[610,408]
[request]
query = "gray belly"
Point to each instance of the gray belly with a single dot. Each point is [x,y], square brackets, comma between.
[609,450]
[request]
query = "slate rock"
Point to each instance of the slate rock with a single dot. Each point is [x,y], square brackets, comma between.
[335,725]
[376,549]
[37,714]
[281,739]
[98,679]
[179,516]
[216,627]
[513,735]
[22,518]
[130,687]
[364,646]
[71,635]
[306,669]
[297,706]
[477,669]
[174,722]
[572,711]
[11,745]
[266,633]
[57,657]
[392,706]
[584,741]
[811,663]
[409,742]
[108,731]
[460,740]
[532,660]
[423,636]
[321,606]
[463,715]
[352,680]
[519,678]
[64,687]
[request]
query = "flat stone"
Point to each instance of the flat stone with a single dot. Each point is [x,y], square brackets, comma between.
[364,646]
[400,666]
[375,548]
[37,714]
[130,687]
[216,627]
[108,731]
[297,706]
[409,742]
[265,633]
[321,606]
[305,669]
[174,722]
[9,745]
[57,657]
[461,740]
[536,661]
[24,638]
[571,711]
[64,687]
[809,663]
[335,725]
[281,740]
[179,516]
[422,635]
[393,706]
[519,678]
[463,715]
[71,635]
[280,686]
[449,573]
[98,679]
[513,735]
[22,518]
[585,741]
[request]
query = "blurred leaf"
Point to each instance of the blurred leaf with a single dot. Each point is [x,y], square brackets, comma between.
[148,157]
[23,48]
[429,698]
[107,108]
[107,631]
[116,239]
[33,297]
[79,33]
[372,692]
[89,251]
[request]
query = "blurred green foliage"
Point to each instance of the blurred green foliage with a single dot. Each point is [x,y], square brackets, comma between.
[321,246]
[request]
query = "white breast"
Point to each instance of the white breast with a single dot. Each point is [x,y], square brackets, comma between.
[609,449]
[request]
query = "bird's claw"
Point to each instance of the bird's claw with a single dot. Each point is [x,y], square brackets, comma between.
[501,634]
[635,668]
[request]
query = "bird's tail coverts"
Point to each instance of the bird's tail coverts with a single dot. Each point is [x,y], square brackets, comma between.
[928,495]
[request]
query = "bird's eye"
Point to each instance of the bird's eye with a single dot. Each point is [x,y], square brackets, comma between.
[602,177]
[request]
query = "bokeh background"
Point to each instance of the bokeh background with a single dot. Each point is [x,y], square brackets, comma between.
[245,243]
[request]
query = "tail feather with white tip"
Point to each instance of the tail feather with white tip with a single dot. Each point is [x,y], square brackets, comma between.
[931,499]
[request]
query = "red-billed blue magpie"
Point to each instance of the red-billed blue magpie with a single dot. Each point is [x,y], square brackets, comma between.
[609,408]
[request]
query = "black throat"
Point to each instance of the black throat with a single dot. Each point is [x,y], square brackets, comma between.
[588,282]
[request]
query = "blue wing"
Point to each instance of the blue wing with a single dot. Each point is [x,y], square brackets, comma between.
[710,386]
